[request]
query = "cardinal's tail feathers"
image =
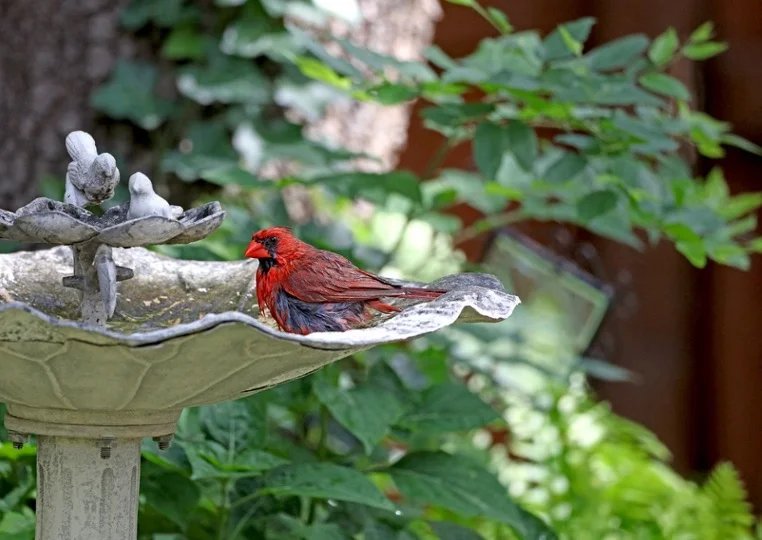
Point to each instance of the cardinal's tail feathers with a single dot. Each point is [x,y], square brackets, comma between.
[420,294]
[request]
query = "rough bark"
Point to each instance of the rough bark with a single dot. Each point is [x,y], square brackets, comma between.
[398,28]
[52,54]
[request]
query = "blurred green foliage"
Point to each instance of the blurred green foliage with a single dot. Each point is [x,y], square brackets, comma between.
[399,442]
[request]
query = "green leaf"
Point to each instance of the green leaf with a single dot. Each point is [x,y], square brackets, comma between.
[500,20]
[461,485]
[731,255]
[210,149]
[573,45]
[702,51]
[596,204]
[439,58]
[742,226]
[325,531]
[172,494]
[450,531]
[210,459]
[716,190]
[366,411]
[565,168]
[702,33]
[448,407]
[680,232]
[233,175]
[375,187]
[606,371]
[392,93]
[739,142]
[454,114]
[618,53]
[557,47]
[664,84]
[185,42]
[490,141]
[17,525]
[694,252]
[444,223]
[128,95]
[755,246]
[664,47]
[224,80]
[727,496]
[469,3]
[522,143]
[325,481]
[315,69]
[457,186]
[253,33]
[236,424]
[163,13]
[380,63]
[740,205]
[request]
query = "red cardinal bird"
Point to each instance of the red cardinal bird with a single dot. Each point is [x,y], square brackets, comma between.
[307,289]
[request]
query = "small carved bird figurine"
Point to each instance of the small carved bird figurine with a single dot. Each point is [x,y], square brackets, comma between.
[90,178]
[306,289]
[145,202]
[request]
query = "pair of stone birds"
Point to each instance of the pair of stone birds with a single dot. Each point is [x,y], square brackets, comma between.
[91,179]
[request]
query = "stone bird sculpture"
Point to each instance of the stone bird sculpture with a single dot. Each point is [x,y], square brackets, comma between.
[145,202]
[90,177]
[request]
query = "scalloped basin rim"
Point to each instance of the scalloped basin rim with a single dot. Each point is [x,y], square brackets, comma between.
[503,304]
[52,222]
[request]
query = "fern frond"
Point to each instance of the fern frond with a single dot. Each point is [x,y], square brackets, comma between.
[726,496]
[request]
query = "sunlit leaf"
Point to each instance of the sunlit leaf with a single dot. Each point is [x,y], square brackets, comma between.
[694,252]
[500,20]
[664,47]
[556,46]
[702,33]
[702,51]
[740,205]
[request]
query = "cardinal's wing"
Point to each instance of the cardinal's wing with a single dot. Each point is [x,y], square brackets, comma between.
[329,277]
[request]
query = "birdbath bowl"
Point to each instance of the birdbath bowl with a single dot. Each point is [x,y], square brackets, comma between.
[92,370]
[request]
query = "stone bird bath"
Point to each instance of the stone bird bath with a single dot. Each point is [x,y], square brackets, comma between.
[91,368]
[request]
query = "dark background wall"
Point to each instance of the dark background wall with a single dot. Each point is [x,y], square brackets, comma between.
[694,337]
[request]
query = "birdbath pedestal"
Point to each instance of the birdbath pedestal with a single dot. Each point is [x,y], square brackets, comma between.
[92,370]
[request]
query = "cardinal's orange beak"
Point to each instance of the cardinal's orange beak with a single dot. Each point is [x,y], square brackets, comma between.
[255,250]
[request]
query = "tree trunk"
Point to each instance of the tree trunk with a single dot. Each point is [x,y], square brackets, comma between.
[53,53]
